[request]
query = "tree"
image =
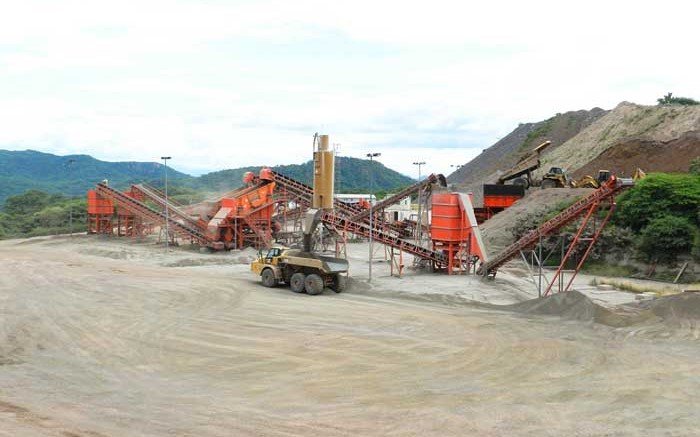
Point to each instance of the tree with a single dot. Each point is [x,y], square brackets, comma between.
[52,216]
[668,99]
[657,195]
[665,237]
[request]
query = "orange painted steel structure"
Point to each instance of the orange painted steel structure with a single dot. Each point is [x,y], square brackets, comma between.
[396,198]
[142,192]
[100,214]
[145,212]
[453,231]
[585,208]
[244,220]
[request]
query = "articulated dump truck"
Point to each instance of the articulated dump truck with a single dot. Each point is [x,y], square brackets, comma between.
[302,271]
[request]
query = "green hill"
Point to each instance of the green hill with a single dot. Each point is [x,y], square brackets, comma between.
[21,171]
[352,175]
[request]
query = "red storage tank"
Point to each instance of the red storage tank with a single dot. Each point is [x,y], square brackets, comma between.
[447,221]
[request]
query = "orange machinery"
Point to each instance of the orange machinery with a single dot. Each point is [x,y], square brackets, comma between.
[454,231]
[245,218]
[100,214]
[497,198]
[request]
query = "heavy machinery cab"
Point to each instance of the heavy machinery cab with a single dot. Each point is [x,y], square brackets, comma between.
[555,178]
[603,176]
[272,254]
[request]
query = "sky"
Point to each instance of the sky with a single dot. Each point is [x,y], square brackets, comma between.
[224,84]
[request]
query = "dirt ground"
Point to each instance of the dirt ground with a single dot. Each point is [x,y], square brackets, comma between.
[105,337]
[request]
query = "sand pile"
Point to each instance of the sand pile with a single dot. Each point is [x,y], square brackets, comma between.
[677,311]
[677,308]
[572,305]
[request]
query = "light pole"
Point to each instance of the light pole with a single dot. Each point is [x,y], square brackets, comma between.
[419,229]
[69,165]
[167,231]
[371,156]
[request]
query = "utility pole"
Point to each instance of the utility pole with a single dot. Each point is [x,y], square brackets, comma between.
[167,231]
[371,214]
[419,229]
[69,165]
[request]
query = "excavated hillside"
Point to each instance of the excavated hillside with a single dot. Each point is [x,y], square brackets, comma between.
[654,138]
[631,136]
[486,167]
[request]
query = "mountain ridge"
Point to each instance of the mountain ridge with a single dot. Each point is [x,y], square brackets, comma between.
[73,175]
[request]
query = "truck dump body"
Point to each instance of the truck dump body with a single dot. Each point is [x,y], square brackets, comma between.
[326,264]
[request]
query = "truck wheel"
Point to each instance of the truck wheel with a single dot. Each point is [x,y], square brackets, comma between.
[296,282]
[521,181]
[339,283]
[314,284]
[268,278]
[548,183]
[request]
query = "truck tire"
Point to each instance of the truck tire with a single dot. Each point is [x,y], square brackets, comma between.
[268,278]
[313,284]
[296,282]
[522,181]
[548,183]
[339,283]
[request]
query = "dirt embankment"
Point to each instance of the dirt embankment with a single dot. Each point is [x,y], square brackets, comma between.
[649,155]
[631,126]
[486,167]
[496,231]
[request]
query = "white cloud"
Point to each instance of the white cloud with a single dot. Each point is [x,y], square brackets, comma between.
[227,84]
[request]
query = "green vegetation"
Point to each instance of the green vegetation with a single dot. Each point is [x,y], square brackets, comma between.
[694,166]
[668,99]
[600,268]
[665,237]
[539,133]
[658,195]
[36,187]
[37,213]
[352,176]
[656,221]
[74,175]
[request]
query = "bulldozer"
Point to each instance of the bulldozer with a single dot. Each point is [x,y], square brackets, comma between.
[556,177]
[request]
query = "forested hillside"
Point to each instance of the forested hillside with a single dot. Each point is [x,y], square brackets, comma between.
[73,175]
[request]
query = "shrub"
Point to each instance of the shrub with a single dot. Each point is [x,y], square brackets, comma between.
[657,195]
[694,166]
[665,237]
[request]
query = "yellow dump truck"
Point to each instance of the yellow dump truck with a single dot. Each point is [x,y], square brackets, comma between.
[302,271]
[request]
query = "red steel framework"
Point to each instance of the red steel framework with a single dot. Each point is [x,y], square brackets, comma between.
[245,218]
[585,208]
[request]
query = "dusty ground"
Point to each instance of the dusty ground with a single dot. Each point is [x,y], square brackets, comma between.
[110,338]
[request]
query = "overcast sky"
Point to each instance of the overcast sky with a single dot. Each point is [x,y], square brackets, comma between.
[223,84]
